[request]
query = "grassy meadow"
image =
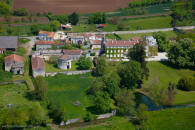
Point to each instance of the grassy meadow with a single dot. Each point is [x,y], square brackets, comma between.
[161,73]
[65,90]
[171,119]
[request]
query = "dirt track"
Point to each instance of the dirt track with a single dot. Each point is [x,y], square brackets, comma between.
[69,6]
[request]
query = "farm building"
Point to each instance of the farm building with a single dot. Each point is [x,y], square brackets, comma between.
[43,45]
[8,43]
[151,46]
[38,66]
[73,54]
[14,64]
[64,62]
[46,36]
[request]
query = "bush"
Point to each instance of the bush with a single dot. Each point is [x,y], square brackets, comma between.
[186,84]
[89,117]
[53,60]
[84,63]
[4,9]
[20,12]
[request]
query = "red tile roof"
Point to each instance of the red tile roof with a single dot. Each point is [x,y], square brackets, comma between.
[72,52]
[48,43]
[99,35]
[119,43]
[97,42]
[14,57]
[64,57]
[37,62]
[50,34]
[135,38]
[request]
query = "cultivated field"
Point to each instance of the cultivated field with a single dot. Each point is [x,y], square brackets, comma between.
[69,6]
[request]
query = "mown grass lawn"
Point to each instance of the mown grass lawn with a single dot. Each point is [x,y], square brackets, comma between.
[54,68]
[65,90]
[161,73]
[171,119]
[114,123]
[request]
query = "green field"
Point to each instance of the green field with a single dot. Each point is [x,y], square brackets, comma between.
[171,119]
[54,68]
[168,34]
[161,73]
[15,94]
[66,90]
[114,123]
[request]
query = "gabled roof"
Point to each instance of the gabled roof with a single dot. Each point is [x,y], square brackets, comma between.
[48,43]
[97,42]
[64,57]
[119,43]
[72,52]
[14,57]
[37,62]
[50,34]
[99,35]
[135,39]
[8,42]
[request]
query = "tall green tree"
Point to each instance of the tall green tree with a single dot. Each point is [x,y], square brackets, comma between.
[162,40]
[40,88]
[125,102]
[73,18]
[130,73]
[84,63]
[181,13]
[54,25]
[182,54]
[101,66]
[4,9]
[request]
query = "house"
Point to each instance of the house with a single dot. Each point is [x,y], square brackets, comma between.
[89,36]
[14,64]
[8,43]
[73,54]
[38,66]
[77,39]
[67,26]
[96,47]
[118,48]
[136,39]
[64,62]
[151,46]
[99,37]
[46,36]
[60,36]
[43,45]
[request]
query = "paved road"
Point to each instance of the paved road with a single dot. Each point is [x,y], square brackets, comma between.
[147,31]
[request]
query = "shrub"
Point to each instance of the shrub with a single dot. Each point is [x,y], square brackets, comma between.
[186,84]
[84,63]
[20,12]
[89,117]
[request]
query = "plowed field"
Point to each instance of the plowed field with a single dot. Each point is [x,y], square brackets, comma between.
[69,6]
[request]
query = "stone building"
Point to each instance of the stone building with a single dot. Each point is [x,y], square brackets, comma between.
[73,54]
[43,45]
[151,46]
[46,36]
[64,62]
[38,66]
[14,64]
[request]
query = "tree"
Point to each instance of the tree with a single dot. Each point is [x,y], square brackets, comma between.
[4,9]
[73,18]
[101,66]
[125,102]
[20,12]
[40,88]
[162,40]
[182,54]
[89,117]
[102,102]
[171,94]
[55,25]
[84,63]
[121,26]
[111,87]
[130,73]
[35,28]
[181,13]
[97,18]
[97,86]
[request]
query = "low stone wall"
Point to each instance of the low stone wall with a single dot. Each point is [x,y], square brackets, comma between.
[67,72]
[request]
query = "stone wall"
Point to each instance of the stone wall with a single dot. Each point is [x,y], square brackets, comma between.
[67,72]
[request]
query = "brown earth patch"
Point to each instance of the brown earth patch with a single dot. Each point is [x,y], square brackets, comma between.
[69,6]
